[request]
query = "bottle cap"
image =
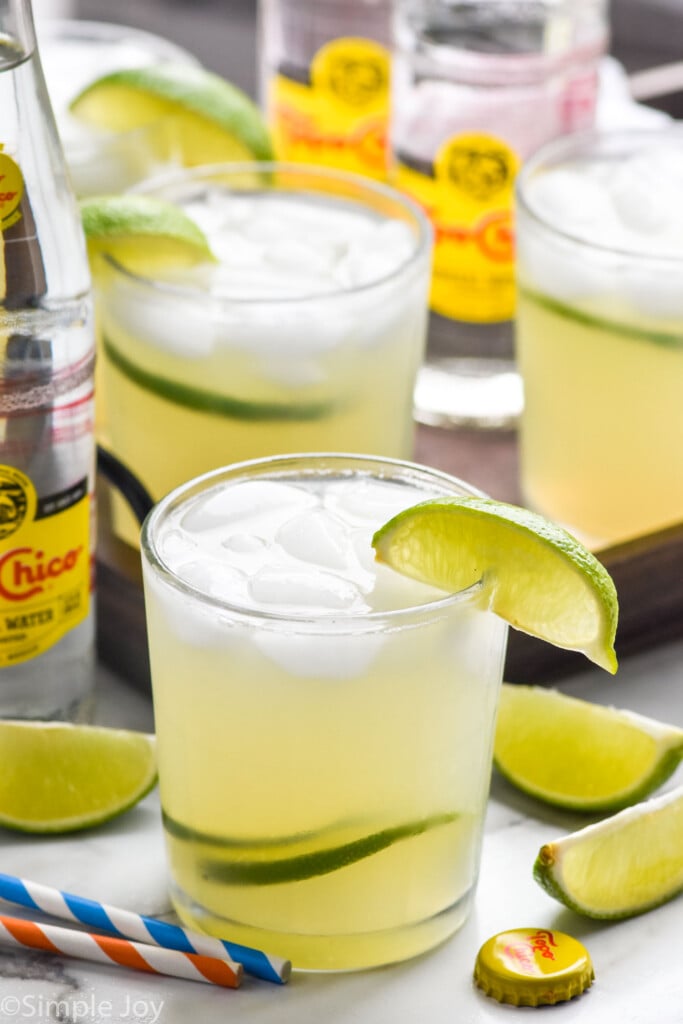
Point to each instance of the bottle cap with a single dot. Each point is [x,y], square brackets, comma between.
[533,967]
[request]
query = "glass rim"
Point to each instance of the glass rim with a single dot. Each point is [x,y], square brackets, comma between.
[181,176]
[324,624]
[592,144]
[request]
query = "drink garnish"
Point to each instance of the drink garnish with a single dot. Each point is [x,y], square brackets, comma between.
[538,577]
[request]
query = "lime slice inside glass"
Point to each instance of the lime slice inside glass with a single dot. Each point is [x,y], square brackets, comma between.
[58,777]
[540,579]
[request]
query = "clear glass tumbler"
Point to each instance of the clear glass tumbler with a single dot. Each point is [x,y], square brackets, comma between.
[324,725]
[479,85]
[600,332]
[306,334]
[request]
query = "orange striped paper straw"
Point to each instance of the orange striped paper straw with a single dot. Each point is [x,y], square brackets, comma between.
[103,949]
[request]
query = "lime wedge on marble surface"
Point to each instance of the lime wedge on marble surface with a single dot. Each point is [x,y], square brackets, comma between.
[540,578]
[622,866]
[580,755]
[59,777]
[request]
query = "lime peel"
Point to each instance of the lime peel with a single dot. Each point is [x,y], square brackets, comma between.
[216,120]
[579,755]
[59,777]
[542,581]
[624,865]
[142,232]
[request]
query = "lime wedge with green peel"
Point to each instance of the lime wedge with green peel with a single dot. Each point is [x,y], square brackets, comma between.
[580,755]
[58,777]
[142,233]
[622,866]
[541,580]
[211,119]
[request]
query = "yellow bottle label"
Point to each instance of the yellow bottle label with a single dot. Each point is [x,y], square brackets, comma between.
[340,118]
[11,191]
[468,197]
[44,565]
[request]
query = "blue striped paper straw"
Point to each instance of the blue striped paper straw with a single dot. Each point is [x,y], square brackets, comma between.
[129,925]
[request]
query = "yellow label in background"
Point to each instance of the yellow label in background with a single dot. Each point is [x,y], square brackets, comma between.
[469,198]
[340,119]
[44,565]
[11,191]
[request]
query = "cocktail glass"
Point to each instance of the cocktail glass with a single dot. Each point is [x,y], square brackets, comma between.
[75,53]
[600,332]
[306,335]
[324,725]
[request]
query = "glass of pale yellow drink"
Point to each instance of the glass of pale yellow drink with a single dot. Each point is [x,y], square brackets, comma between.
[324,724]
[306,333]
[600,332]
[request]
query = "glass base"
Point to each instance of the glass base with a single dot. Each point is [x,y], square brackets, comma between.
[319,952]
[482,393]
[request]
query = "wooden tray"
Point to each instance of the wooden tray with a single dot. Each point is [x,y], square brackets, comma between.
[648,572]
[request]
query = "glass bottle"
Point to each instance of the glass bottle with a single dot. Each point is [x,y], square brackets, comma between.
[47,452]
[479,85]
[325,81]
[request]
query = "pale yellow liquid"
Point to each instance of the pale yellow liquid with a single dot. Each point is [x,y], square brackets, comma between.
[333,816]
[364,406]
[602,431]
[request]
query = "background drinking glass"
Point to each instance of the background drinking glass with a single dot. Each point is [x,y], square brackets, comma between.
[308,333]
[478,85]
[324,724]
[75,53]
[600,332]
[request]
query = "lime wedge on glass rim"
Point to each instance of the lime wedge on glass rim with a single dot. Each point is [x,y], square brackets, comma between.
[211,120]
[621,866]
[539,578]
[579,755]
[59,777]
[142,233]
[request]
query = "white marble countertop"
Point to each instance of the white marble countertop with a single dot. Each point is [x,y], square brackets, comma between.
[637,979]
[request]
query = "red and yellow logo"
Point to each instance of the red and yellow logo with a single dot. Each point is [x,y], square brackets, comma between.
[469,199]
[11,191]
[340,118]
[27,572]
[44,565]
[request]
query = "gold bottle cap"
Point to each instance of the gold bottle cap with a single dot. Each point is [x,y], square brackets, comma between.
[533,967]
